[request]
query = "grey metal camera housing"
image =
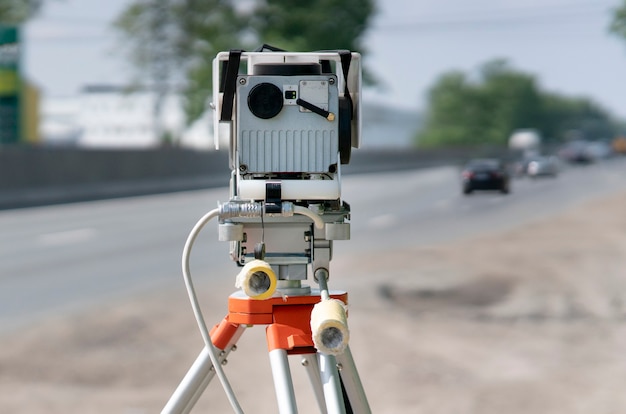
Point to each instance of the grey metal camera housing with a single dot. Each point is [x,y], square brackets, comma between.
[289,122]
[295,140]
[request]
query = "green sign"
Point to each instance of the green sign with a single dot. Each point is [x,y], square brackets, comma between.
[9,46]
[9,84]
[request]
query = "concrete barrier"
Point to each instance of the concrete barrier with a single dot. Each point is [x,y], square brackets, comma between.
[31,176]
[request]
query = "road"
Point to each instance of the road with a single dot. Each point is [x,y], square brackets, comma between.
[426,207]
[64,258]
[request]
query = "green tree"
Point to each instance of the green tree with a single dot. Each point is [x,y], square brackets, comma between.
[511,100]
[14,12]
[501,100]
[566,114]
[483,111]
[313,25]
[451,98]
[618,21]
[183,36]
[150,22]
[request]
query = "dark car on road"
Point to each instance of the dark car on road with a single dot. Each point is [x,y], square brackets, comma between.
[485,174]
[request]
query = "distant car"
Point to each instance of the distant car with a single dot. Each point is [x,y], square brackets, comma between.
[577,152]
[485,174]
[542,167]
[599,150]
[520,167]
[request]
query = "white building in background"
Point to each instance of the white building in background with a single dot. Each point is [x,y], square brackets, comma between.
[58,121]
[104,116]
[111,117]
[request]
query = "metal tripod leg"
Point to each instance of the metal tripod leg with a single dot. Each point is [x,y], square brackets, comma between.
[331,384]
[312,367]
[356,398]
[199,376]
[283,384]
[326,383]
[352,383]
[288,332]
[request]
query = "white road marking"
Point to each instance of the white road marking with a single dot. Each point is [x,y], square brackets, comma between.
[66,237]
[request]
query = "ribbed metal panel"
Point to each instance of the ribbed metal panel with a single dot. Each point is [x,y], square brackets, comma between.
[288,150]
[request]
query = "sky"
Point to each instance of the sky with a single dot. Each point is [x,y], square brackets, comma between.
[564,43]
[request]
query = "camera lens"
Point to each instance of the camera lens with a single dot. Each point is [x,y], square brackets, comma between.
[265,100]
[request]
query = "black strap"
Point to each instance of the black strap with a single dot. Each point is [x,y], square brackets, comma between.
[232,70]
[346,58]
[273,197]
[266,47]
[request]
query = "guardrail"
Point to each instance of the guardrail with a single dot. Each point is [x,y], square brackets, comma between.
[32,176]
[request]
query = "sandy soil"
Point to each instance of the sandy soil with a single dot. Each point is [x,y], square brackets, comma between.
[527,321]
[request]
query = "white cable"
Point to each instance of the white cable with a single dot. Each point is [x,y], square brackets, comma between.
[319,223]
[195,305]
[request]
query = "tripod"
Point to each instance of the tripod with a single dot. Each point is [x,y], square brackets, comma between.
[299,321]
[334,379]
[291,120]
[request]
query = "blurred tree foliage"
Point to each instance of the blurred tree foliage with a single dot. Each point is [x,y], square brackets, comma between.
[14,12]
[486,107]
[175,41]
[618,21]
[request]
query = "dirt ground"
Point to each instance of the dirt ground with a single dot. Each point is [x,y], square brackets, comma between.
[532,320]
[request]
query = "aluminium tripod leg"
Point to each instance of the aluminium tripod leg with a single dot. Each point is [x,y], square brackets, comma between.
[313,370]
[225,337]
[331,383]
[283,384]
[352,383]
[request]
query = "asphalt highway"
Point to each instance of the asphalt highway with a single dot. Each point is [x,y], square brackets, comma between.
[64,258]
